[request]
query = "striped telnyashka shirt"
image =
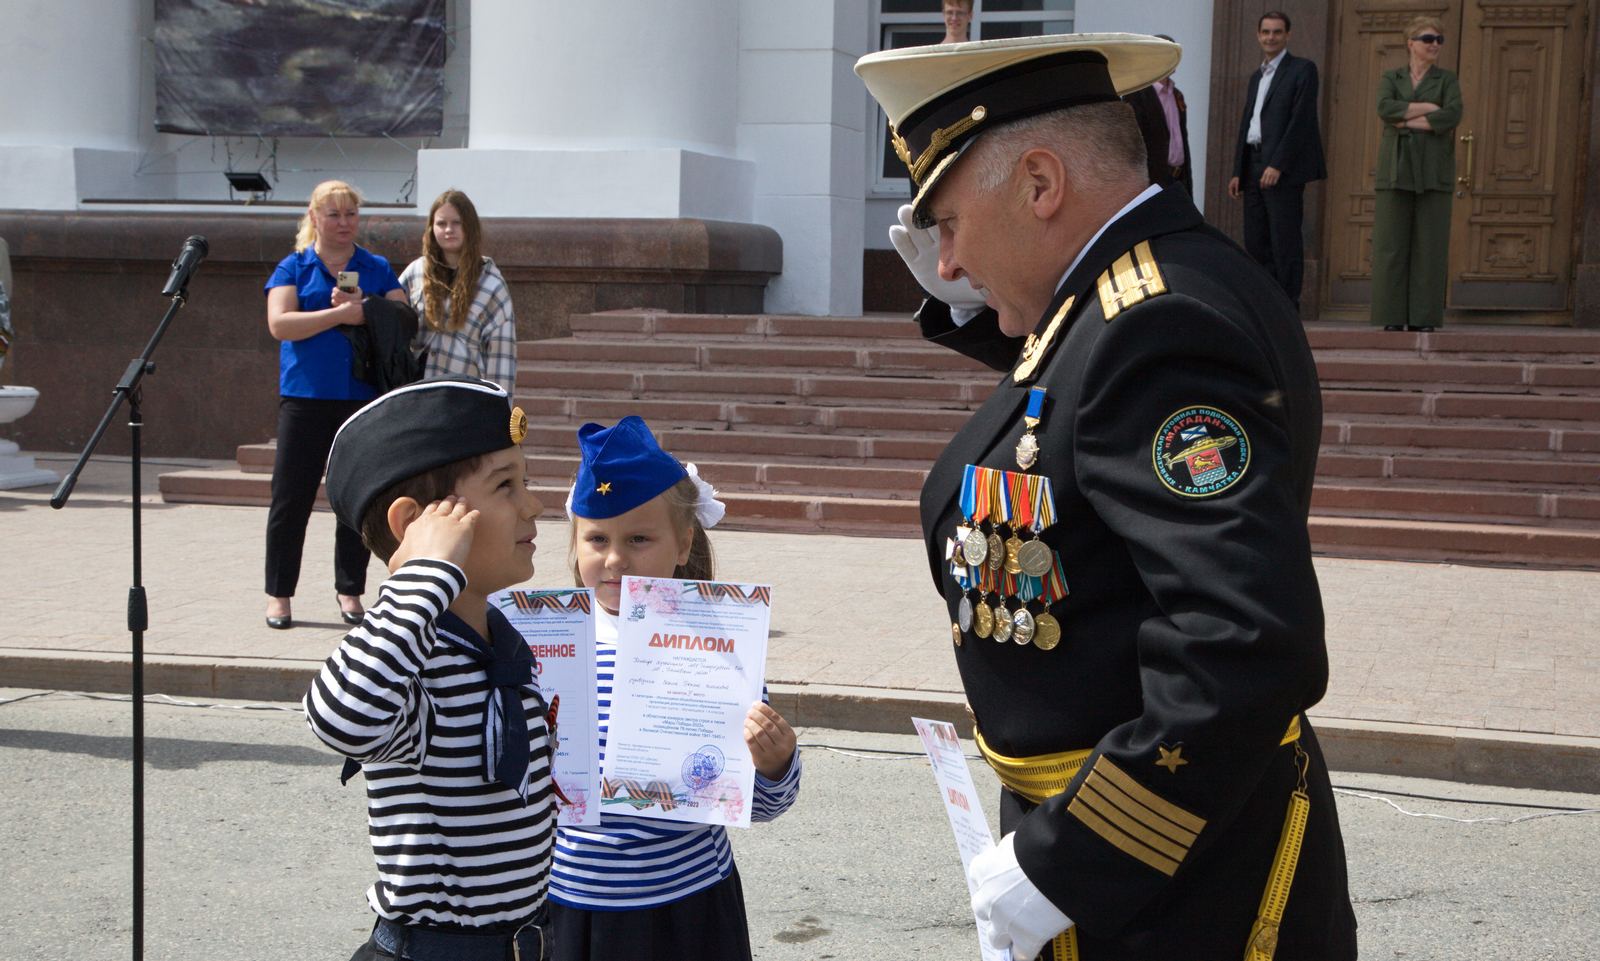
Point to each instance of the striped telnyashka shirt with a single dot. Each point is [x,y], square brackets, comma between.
[485,346]
[636,862]
[406,700]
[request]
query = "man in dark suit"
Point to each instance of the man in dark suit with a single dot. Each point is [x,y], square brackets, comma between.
[1119,532]
[1164,123]
[1279,151]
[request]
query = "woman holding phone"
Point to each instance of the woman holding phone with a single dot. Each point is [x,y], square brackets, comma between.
[313,292]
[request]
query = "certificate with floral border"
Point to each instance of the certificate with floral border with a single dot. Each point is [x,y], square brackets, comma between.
[691,658]
[559,628]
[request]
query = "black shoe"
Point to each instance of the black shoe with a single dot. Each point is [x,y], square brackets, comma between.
[1420,330]
[280,623]
[351,617]
[1395,327]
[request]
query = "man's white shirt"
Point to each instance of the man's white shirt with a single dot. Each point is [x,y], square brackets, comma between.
[1253,135]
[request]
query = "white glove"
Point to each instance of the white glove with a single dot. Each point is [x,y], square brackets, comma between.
[919,248]
[1011,912]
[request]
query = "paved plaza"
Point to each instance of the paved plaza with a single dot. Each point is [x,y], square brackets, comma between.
[1472,673]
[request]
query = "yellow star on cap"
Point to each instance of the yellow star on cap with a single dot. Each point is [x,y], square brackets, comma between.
[603,488]
[1171,760]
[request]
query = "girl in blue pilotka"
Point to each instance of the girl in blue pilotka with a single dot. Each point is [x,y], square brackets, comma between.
[633,888]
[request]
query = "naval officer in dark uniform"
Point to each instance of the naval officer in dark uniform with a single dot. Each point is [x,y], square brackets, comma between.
[1120,531]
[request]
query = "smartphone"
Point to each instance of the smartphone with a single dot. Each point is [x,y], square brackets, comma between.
[348,280]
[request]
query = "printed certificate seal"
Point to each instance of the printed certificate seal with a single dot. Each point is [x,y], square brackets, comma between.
[702,768]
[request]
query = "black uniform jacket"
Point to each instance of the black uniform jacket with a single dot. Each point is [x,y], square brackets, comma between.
[1193,632]
[1290,137]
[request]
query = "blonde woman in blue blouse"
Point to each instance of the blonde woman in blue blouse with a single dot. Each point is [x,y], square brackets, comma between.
[463,301]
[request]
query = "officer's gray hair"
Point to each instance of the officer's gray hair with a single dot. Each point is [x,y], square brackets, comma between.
[1099,144]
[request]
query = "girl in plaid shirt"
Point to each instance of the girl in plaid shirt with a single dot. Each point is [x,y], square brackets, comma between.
[468,327]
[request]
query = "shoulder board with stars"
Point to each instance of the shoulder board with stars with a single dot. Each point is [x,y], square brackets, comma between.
[1131,279]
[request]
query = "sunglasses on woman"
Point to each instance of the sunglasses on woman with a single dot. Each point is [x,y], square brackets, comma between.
[1429,38]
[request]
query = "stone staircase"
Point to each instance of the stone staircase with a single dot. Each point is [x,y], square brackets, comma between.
[1479,444]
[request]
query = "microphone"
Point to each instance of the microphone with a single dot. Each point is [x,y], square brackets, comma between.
[194,250]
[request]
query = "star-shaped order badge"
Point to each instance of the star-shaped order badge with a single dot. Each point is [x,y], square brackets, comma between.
[603,488]
[1171,758]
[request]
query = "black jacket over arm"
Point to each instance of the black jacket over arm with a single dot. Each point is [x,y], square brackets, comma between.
[1290,138]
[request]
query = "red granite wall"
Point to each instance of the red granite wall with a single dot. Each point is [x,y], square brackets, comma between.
[86,298]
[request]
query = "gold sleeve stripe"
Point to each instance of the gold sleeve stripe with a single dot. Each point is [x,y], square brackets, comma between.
[1151,821]
[1148,798]
[1119,840]
[1133,277]
[1100,804]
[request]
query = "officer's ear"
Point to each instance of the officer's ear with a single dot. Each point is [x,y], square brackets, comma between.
[1044,182]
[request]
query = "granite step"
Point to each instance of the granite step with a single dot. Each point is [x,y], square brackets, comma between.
[653,354]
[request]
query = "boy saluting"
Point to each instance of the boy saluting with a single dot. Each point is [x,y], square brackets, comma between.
[432,697]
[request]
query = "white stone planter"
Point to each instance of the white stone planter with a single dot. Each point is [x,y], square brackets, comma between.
[17,469]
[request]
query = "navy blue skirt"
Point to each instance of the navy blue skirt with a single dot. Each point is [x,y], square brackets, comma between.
[707,926]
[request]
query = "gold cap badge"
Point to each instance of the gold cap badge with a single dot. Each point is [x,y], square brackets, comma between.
[519,425]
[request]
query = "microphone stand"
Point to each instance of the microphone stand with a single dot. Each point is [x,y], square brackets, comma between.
[128,389]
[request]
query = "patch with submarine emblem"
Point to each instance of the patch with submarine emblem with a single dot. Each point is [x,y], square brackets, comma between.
[1200,452]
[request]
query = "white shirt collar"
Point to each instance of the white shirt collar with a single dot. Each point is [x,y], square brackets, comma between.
[1148,192]
[1270,66]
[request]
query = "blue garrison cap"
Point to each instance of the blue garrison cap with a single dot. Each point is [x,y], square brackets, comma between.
[621,467]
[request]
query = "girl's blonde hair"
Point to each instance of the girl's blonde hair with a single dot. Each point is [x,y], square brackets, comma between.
[681,500]
[327,190]
[1418,24]
[464,288]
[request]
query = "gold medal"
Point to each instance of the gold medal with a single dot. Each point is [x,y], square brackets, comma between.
[1002,623]
[1022,626]
[996,552]
[1034,558]
[1013,563]
[1046,632]
[964,613]
[955,634]
[976,547]
[1027,450]
[982,619]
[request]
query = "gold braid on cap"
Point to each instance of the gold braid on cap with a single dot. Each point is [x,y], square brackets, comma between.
[942,138]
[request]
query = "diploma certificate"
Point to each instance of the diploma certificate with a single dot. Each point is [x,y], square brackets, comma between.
[559,628]
[691,658]
[960,801]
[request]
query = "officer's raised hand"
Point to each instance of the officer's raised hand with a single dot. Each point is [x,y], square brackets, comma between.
[919,248]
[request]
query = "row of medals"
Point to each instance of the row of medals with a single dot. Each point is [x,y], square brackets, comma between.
[1032,558]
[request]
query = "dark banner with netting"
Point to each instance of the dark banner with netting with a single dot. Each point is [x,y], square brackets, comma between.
[300,68]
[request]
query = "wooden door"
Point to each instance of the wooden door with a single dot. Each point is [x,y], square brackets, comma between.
[1513,224]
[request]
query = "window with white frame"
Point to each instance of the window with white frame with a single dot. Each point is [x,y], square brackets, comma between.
[916,23]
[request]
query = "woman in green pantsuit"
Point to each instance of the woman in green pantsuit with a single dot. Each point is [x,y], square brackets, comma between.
[1420,105]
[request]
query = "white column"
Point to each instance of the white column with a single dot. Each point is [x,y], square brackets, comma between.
[69,118]
[801,120]
[607,108]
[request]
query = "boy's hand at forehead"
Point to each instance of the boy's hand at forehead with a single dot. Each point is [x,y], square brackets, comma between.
[771,740]
[443,531]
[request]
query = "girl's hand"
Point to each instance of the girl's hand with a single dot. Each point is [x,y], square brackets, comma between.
[770,739]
